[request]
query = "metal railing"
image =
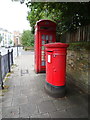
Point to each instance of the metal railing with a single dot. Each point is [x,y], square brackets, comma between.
[6,61]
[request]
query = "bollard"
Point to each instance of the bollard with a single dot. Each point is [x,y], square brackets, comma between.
[1,72]
[12,56]
[9,61]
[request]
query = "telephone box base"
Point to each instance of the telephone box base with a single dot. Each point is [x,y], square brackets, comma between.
[39,72]
[57,92]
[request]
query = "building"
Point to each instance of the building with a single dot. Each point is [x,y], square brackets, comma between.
[6,38]
[17,36]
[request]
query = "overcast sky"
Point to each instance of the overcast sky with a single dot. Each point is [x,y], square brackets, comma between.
[13,16]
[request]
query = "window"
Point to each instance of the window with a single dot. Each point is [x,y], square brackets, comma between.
[43,42]
[42,57]
[42,47]
[46,37]
[45,28]
[43,63]
[42,52]
[43,37]
[50,37]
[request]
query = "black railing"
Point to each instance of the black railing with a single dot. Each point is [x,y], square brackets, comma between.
[6,61]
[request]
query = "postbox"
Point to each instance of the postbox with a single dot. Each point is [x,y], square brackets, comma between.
[56,69]
[45,32]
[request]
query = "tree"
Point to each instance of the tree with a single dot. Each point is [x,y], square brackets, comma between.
[27,38]
[67,15]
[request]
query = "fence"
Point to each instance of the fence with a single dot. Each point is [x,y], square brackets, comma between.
[81,35]
[5,65]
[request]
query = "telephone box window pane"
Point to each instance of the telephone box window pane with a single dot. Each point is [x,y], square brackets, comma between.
[50,37]
[43,37]
[46,37]
[42,58]
[43,42]
[43,63]
[42,52]
[44,28]
[42,47]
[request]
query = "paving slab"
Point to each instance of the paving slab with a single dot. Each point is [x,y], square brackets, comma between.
[19,101]
[46,106]
[78,112]
[60,114]
[28,110]
[10,112]
[35,99]
[62,104]
[46,115]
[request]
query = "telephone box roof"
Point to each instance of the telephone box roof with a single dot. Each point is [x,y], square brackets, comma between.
[42,20]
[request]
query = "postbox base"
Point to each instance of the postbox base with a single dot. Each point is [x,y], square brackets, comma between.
[57,92]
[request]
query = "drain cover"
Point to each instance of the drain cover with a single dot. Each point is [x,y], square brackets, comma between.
[24,72]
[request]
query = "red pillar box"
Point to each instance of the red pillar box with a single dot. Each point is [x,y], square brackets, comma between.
[56,69]
[45,32]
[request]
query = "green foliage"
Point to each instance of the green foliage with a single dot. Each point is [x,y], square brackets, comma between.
[67,15]
[27,38]
[79,45]
[29,48]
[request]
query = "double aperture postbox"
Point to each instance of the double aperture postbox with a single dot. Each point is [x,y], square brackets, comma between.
[45,32]
[56,69]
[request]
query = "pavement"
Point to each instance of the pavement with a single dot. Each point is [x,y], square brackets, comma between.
[26,97]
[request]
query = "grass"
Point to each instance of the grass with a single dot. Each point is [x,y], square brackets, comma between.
[14,65]
[4,90]
[8,74]
[5,79]
[6,86]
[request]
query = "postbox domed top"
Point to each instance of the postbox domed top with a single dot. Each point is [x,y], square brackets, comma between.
[57,45]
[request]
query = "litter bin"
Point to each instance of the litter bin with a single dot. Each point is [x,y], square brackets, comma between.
[56,69]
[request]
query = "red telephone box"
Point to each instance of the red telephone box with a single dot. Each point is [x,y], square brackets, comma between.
[45,32]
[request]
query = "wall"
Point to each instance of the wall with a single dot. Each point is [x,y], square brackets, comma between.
[78,57]
[78,70]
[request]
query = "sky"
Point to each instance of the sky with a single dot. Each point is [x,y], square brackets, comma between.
[13,16]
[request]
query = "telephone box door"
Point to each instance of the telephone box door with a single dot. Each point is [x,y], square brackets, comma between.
[45,38]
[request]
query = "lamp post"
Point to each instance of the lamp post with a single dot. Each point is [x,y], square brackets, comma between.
[17,45]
